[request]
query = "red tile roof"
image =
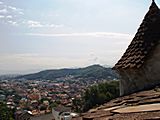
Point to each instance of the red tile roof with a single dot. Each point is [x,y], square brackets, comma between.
[145,40]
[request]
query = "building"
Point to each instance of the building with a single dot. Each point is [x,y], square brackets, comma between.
[62,113]
[22,115]
[139,67]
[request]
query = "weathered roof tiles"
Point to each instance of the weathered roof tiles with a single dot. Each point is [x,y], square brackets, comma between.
[145,40]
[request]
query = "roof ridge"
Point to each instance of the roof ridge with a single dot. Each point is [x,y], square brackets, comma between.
[153,5]
[145,40]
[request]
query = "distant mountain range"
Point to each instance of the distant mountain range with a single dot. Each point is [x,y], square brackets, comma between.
[93,72]
[8,76]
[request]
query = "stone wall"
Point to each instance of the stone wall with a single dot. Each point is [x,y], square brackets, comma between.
[148,76]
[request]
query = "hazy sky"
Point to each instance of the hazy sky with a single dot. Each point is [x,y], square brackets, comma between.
[45,34]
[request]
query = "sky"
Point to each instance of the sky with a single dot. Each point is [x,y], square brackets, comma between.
[51,34]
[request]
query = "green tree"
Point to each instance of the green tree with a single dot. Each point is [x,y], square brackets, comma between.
[99,94]
[77,103]
[5,113]
[53,104]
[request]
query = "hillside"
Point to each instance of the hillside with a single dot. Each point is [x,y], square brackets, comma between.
[8,76]
[93,72]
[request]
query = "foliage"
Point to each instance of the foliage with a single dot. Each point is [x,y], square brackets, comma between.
[99,94]
[43,107]
[54,104]
[77,105]
[5,113]
[44,99]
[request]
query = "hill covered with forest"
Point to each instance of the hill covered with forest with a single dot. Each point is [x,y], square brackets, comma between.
[90,72]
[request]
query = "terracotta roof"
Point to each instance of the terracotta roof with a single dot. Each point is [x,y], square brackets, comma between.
[145,40]
[112,109]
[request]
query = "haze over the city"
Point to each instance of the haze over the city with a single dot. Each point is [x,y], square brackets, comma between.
[49,34]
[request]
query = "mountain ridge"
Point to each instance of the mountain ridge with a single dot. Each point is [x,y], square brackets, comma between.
[93,71]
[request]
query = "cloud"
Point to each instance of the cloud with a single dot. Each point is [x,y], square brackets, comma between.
[13,23]
[20,12]
[10,14]
[10,10]
[54,25]
[89,34]
[1,16]
[3,11]
[14,9]
[37,24]
[34,24]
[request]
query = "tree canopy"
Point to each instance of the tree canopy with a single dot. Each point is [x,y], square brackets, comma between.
[5,113]
[99,94]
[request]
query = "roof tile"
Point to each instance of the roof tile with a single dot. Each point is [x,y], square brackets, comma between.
[145,40]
